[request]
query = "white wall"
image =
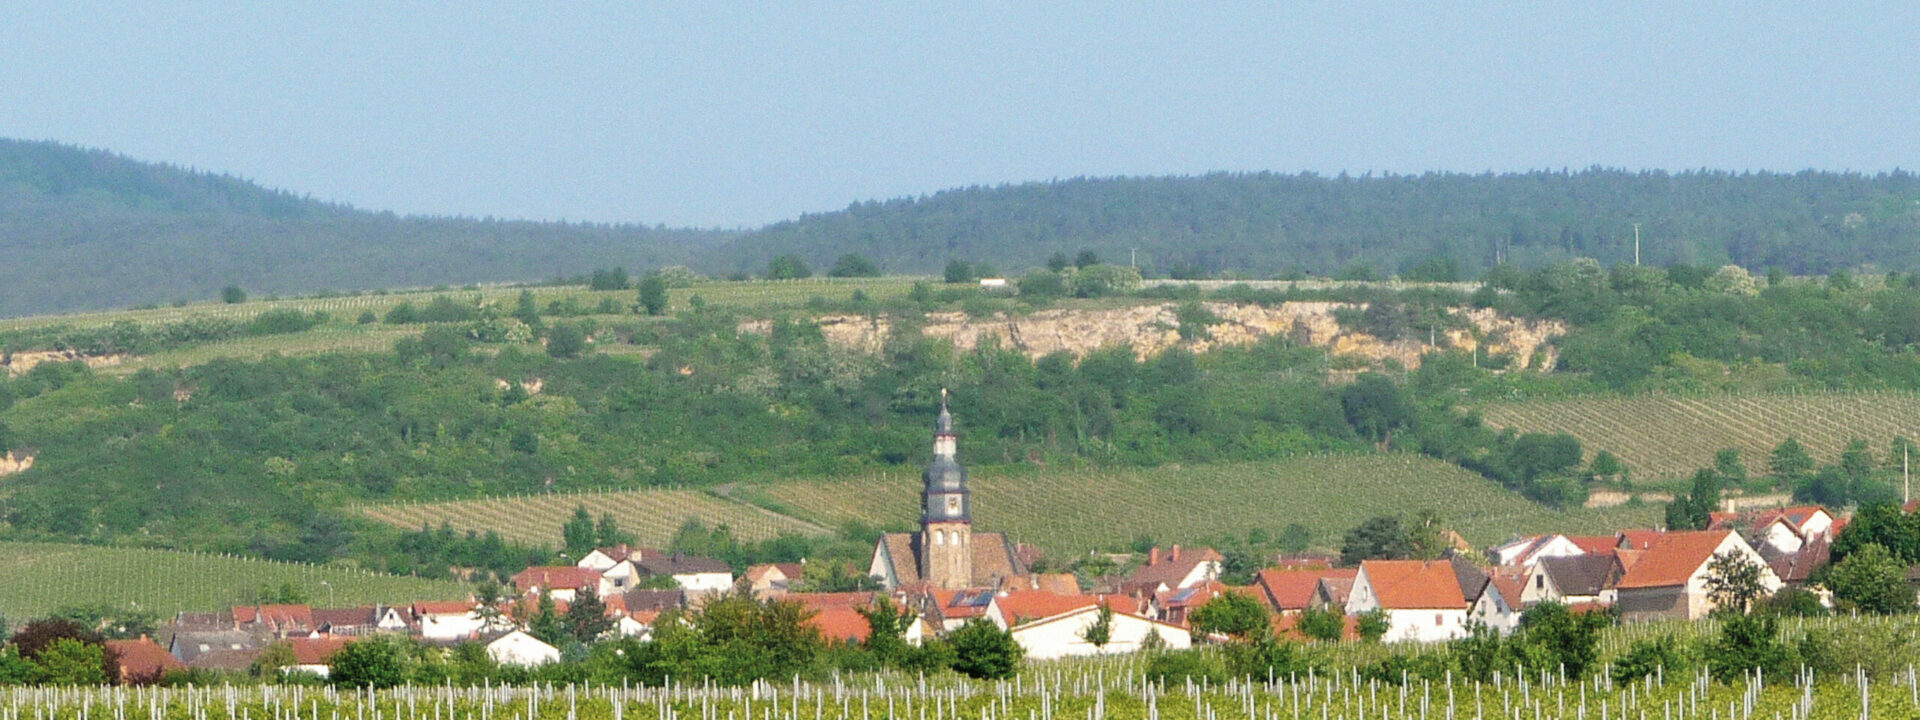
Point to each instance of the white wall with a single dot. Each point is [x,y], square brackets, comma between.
[705,582]
[449,627]
[1059,636]
[518,648]
[1425,625]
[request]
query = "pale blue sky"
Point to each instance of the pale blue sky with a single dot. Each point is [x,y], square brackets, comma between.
[692,114]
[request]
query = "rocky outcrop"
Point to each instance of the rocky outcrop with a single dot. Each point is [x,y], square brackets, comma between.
[1149,329]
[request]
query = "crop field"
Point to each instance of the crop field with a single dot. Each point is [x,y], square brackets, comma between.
[745,295]
[1670,436]
[36,578]
[1070,511]
[651,515]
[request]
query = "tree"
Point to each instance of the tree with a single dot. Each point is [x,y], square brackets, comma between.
[1567,640]
[958,271]
[1789,461]
[1100,632]
[40,636]
[378,662]
[1295,538]
[1381,537]
[1648,657]
[565,340]
[653,294]
[982,651]
[1605,466]
[607,532]
[614,278]
[578,534]
[1096,281]
[788,267]
[887,626]
[68,661]
[586,617]
[1086,259]
[1373,625]
[1058,262]
[1325,623]
[547,625]
[1733,582]
[1872,580]
[1856,462]
[1726,464]
[1236,615]
[1748,643]
[232,295]
[852,265]
[1694,511]
[1375,407]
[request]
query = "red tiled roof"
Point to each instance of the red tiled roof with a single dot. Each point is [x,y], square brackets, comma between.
[444,608]
[1596,544]
[143,660]
[1414,584]
[1172,567]
[283,615]
[557,577]
[1056,583]
[823,601]
[316,651]
[1285,590]
[1025,605]
[1638,539]
[1288,626]
[840,624]
[1673,558]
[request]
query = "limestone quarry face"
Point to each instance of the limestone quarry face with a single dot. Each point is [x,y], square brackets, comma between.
[1152,328]
[19,363]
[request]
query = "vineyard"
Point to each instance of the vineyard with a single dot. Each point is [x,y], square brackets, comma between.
[38,577]
[651,515]
[1072,511]
[1670,436]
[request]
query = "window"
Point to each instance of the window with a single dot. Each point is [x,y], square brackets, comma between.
[1539,581]
[1438,620]
[938,538]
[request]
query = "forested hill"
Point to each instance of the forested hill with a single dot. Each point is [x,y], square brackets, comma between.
[83,229]
[1269,224]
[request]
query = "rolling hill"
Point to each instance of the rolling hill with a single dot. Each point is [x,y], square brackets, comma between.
[87,229]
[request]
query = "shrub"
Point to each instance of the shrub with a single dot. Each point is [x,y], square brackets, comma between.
[983,651]
[1658,655]
[1178,667]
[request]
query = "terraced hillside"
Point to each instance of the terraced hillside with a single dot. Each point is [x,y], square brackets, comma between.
[651,515]
[1669,436]
[36,578]
[1069,511]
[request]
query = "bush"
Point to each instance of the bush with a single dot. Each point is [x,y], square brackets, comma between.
[1327,624]
[232,294]
[1179,667]
[373,662]
[1748,643]
[983,651]
[565,340]
[1659,655]
[281,321]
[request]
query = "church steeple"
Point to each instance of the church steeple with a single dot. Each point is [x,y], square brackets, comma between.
[946,519]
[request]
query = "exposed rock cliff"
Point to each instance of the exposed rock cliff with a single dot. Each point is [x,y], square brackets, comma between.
[1152,328]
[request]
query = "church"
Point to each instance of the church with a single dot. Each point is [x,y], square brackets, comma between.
[946,554]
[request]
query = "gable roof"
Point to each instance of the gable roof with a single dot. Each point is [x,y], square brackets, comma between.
[1798,567]
[1024,605]
[1056,583]
[1288,589]
[1581,574]
[1471,579]
[1673,558]
[316,651]
[276,615]
[1335,589]
[337,617]
[680,564]
[1595,544]
[1173,567]
[556,577]
[1638,539]
[142,659]
[1414,584]
[839,624]
[444,608]
[995,559]
[823,601]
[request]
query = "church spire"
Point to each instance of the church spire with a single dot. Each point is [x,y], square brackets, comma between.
[946,481]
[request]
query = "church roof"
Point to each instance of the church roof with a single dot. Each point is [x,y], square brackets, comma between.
[993,558]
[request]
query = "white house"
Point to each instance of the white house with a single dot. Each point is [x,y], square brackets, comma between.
[1176,569]
[694,574]
[1422,599]
[1526,551]
[1064,635]
[1577,580]
[562,582]
[518,648]
[1670,578]
[1498,606]
[447,621]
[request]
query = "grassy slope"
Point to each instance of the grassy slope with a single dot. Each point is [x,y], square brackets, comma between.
[1670,436]
[651,515]
[1069,511]
[39,577]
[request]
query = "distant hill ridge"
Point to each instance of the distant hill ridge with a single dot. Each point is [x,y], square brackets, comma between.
[89,229]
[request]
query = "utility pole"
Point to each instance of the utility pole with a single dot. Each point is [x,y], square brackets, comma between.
[1636,244]
[1906,476]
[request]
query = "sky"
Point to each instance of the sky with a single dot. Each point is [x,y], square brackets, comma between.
[717,114]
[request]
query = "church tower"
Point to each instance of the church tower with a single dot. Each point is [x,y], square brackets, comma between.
[946,519]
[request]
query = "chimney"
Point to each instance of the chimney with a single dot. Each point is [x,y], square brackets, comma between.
[1175,557]
[1153,556]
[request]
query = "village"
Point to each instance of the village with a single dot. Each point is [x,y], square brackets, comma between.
[947,575]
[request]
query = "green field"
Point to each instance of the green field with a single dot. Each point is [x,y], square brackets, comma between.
[651,515]
[1068,511]
[1670,436]
[38,577]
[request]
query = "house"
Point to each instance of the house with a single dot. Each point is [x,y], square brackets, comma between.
[1422,599]
[1576,580]
[517,648]
[1669,579]
[637,601]
[771,579]
[142,661]
[1596,544]
[274,620]
[1288,591]
[1175,569]
[1056,583]
[1174,607]
[189,646]
[1063,634]
[947,610]
[1333,592]
[1498,605]
[1795,568]
[840,623]
[946,553]
[314,655]
[692,573]
[1785,529]
[447,621]
[562,582]
[350,622]
[1528,550]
